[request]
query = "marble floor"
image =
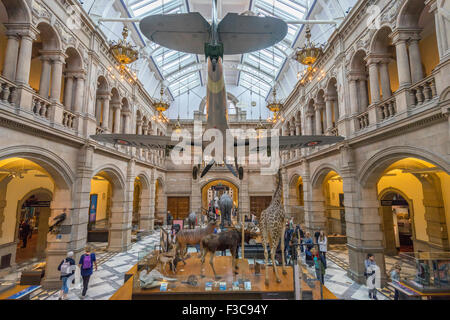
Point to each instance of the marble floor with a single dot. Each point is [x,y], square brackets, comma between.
[112,267]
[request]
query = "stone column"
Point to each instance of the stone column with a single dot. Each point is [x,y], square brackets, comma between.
[441,22]
[24,59]
[309,123]
[105,117]
[127,121]
[329,113]
[404,74]
[385,79]
[57,69]
[354,107]
[292,133]
[318,107]
[12,52]
[363,95]
[68,92]
[374,81]
[139,127]
[44,83]
[363,221]
[298,132]
[79,94]
[415,60]
[117,111]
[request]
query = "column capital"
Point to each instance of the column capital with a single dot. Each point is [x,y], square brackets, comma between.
[319,106]
[405,34]
[357,75]
[330,97]
[22,29]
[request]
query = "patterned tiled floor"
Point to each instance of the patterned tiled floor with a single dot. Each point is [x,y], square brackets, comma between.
[112,266]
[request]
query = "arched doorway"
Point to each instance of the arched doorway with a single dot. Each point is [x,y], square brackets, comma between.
[26,194]
[333,191]
[397,221]
[217,188]
[296,199]
[136,204]
[34,210]
[100,203]
[418,190]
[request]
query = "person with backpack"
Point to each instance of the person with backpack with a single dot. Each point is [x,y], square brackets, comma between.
[87,261]
[66,269]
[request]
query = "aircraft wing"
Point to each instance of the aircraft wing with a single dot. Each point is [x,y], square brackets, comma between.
[296,142]
[138,140]
[242,34]
[135,140]
[185,32]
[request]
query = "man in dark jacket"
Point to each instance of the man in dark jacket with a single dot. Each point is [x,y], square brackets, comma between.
[24,232]
[67,268]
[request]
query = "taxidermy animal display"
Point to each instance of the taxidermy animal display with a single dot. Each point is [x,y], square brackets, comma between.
[229,239]
[191,280]
[192,218]
[225,206]
[168,257]
[152,279]
[272,224]
[54,228]
[193,237]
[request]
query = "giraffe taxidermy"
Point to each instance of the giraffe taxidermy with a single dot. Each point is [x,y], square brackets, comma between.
[272,229]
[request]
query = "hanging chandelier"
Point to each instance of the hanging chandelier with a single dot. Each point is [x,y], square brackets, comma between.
[124,54]
[177,127]
[161,106]
[275,106]
[308,56]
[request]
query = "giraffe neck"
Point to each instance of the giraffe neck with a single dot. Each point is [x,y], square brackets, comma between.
[276,199]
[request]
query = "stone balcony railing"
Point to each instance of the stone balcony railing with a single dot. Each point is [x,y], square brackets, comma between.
[334,131]
[69,119]
[7,91]
[99,130]
[423,91]
[362,120]
[41,107]
[386,109]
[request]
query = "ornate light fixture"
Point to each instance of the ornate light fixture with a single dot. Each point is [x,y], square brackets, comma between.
[124,53]
[177,127]
[308,56]
[275,106]
[162,105]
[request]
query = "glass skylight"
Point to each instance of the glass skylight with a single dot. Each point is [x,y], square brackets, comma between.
[271,60]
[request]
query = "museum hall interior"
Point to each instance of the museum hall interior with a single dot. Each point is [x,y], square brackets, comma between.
[224,150]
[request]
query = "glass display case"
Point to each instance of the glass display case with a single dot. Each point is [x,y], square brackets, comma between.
[426,272]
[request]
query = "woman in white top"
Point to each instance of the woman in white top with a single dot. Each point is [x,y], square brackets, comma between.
[323,243]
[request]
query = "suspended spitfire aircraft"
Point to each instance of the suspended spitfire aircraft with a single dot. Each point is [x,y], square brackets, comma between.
[234,34]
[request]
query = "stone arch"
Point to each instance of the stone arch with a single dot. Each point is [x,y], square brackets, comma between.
[17,11]
[146,215]
[61,172]
[230,97]
[358,63]
[409,13]
[119,223]
[374,166]
[381,41]
[49,37]
[296,201]
[321,172]
[74,62]
[63,179]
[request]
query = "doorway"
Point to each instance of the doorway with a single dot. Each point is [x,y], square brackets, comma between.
[32,227]
[397,223]
[178,207]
